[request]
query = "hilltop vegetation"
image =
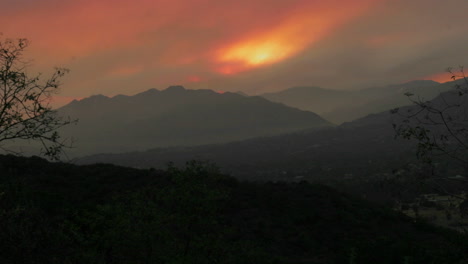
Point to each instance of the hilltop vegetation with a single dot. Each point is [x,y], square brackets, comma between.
[62,213]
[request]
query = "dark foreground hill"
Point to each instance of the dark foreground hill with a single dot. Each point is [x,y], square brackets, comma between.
[177,117]
[61,213]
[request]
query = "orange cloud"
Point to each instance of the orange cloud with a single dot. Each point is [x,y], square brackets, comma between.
[291,36]
[170,39]
[81,28]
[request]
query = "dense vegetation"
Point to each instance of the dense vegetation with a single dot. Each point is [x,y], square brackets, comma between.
[62,213]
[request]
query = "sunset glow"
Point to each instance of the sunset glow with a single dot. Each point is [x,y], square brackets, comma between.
[119,46]
[258,53]
[272,46]
[291,36]
[439,77]
[194,78]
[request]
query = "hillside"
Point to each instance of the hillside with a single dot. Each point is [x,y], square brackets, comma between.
[61,213]
[177,117]
[362,147]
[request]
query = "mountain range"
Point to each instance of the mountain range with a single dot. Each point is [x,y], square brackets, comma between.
[178,117]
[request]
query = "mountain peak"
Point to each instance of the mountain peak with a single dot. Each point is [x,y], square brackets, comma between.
[95,98]
[175,88]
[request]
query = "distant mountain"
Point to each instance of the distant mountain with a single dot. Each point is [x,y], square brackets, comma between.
[344,106]
[241,93]
[178,117]
[313,99]
[376,100]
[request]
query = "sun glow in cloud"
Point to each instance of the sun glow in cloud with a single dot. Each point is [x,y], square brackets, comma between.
[263,49]
[291,36]
[258,53]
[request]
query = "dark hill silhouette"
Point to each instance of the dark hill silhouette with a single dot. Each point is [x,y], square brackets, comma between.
[61,213]
[344,106]
[178,117]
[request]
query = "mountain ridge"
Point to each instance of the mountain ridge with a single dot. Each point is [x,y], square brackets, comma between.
[340,106]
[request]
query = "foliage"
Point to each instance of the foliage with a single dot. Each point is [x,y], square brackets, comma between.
[439,126]
[25,112]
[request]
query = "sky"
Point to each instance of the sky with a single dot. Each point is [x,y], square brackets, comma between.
[125,47]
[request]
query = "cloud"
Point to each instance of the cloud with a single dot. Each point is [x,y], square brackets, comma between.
[119,46]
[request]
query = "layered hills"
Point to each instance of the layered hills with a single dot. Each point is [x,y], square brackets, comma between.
[366,147]
[343,106]
[360,147]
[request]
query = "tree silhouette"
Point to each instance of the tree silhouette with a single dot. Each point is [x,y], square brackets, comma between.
[440,129]
[440,126]
[25,111]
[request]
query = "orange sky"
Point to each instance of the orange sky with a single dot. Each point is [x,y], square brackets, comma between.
[121,46]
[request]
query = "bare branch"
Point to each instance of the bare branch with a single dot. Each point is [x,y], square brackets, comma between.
[25,111]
